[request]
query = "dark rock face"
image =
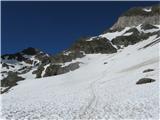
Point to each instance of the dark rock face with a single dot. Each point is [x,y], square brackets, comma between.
[144,81]
[62,70]
[73,66]
[21,56]
[131,39]
[62,58]
[5,65]
[11,80]
[148,26]
[53,70]
[16,56]
[38,72]
[126,40]
[30,51]
[96,45]
[24,70]
[76,54]
[43,57]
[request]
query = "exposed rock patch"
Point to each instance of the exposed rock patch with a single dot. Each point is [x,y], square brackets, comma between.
[148,26]
[136,16]
[144,81]
[132,39]
[11,80]
[148,70]
[96,45]
[53,70]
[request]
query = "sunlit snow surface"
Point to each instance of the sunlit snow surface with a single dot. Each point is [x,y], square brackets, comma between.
[113,35]
[94,91]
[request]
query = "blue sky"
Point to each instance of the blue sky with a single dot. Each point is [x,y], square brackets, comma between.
[54,26]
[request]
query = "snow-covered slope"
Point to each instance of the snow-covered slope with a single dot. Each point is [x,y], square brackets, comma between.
[104,87]
[114,75]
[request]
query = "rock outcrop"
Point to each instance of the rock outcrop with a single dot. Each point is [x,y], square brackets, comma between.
[138,15]
[77,50]
[58,69]
[11,80]
[94,45]
[136,35]
[144,81]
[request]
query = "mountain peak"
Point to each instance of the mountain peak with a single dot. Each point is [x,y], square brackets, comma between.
[143,11]
[30,51]
[138,15]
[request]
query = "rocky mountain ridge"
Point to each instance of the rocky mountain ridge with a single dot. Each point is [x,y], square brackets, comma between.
[138,15]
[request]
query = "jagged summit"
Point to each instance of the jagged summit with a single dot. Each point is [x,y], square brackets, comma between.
[143,11]
[138,15]
[31,51]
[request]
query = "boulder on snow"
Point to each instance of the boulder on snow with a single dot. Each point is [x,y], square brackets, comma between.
[144,81]
[73,66]
[148,70]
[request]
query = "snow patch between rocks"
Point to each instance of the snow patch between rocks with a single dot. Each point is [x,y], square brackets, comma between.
[112,35]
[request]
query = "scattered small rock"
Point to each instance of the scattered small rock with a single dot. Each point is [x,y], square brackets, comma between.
[73,66]
[148,70]
[105,63]
[145,80]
